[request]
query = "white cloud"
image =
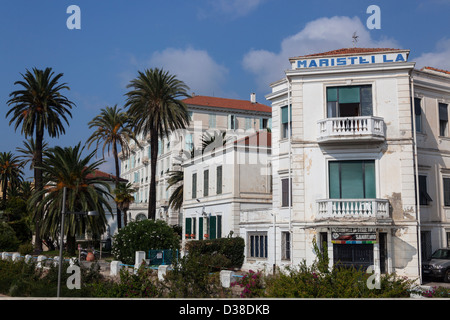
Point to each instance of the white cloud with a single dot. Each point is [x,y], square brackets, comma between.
[196,68]
[437,59]
[320,35]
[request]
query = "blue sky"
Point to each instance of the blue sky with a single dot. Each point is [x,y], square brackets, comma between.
[218,47]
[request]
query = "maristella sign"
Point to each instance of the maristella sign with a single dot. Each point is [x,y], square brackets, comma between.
[351,60]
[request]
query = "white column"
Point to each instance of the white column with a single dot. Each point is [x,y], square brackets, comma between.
[115,268]
[138,260]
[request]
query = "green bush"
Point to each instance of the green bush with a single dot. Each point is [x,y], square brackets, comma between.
[223,253]
[143,236]
[191,277]
[25,248]
[139,285]
[8,239]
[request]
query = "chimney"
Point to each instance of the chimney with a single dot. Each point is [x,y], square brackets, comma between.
[253,97]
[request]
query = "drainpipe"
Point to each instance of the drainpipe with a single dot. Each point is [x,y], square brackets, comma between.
[416,169]
[290,170]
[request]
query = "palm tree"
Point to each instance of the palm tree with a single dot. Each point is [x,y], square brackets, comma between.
[123,198]
[215,140]
[67,168]
[113,130]
[39,106]
[10,172]
[155,106]
[29,152]
[176,198]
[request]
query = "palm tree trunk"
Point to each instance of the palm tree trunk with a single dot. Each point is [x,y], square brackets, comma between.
[116,162]
[38,187]
[152,190]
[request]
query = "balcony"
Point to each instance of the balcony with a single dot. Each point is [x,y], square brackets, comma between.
[361,209]
[351,129]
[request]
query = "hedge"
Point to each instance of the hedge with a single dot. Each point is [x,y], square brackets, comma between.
[225,253]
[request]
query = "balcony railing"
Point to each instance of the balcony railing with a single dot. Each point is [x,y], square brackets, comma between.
[353,208]
[351,128]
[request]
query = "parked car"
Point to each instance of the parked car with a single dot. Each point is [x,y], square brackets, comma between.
[439,265]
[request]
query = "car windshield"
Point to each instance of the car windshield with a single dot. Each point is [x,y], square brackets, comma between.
[441,254]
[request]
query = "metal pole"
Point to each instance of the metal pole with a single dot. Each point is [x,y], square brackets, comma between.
[63,213]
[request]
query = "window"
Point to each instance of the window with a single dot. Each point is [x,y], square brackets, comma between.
[248,123]
[418,114]
[194,185]
[191,228]
[219,180]
[448,239]
[286,125]
[286,246]
[424,197]
[214,226]
[352,179]
[257,245]
[349,101]
[232,122]
[263,123]
[443,119]
[285,192]
[189,145]
[212,120]
[205,182]
[446,192]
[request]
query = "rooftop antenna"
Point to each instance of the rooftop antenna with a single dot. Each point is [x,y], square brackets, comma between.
[355,39]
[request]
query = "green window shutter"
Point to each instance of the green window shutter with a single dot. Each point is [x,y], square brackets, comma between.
[188,226]
[219,226]
[352,186]
[205,183]
[194,185]
[334,180]
[332,94]
[366,101]
[352,180]
[443,113]
[349,94]
[200,228]
[284,114]
[369,180]
[212,227]
[219,180]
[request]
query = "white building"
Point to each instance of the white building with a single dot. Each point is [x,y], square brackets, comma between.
[222,183]
[355,165]
[236,117]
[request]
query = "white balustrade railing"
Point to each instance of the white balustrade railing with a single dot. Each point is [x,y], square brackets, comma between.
[353,208]
[368,126]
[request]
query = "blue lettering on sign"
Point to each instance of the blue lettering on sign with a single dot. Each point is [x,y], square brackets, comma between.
[323,62]
[352,59]
[385,59]
[362,60]
[301,64]
[341,61]
[399,58]
[313,64]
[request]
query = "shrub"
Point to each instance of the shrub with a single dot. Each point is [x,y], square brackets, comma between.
[139,285]
[25,248]
[224,253]
[143,236]
[8,239]
[190,277]
[253,284]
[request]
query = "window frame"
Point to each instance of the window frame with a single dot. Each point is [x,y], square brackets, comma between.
[254,247]
[333,104]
